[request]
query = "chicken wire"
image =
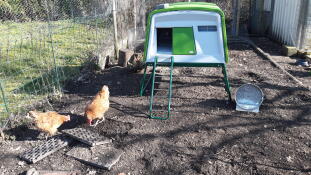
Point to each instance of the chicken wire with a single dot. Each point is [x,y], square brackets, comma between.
[43,43]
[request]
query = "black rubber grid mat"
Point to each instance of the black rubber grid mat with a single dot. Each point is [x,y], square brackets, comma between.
[86,136]
[50,146]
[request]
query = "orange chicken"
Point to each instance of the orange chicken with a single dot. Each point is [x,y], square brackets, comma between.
[49,122]
[98,107]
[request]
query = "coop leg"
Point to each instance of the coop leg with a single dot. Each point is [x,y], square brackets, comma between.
[227,84]
[142,83]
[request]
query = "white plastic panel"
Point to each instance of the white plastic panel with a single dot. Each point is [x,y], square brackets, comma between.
[209,44]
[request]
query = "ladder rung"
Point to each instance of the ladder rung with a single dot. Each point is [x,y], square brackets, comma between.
[161,89]
[157,103]
[160,100]
[159,76]
[158,110]
[162,75]
[162,82]
[160,96]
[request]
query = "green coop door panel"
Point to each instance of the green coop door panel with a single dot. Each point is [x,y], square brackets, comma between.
[183,41]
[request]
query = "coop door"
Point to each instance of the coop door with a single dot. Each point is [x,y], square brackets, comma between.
[183,41]
[164,40]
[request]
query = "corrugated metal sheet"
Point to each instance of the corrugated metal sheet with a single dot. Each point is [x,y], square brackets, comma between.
[286,20]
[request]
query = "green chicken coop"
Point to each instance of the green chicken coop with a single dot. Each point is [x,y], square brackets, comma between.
[187,34]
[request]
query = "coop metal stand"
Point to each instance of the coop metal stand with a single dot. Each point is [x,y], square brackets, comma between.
[153,113]
[227,84]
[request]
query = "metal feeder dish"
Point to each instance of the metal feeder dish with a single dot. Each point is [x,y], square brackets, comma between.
[248,98]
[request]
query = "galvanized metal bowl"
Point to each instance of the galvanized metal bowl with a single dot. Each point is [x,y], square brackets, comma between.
[249,97]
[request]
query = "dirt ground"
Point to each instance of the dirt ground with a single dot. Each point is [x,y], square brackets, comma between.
[205,135]
[303,74]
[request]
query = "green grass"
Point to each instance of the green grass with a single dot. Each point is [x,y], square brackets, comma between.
[29,51]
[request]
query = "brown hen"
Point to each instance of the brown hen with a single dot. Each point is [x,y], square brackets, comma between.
[49,122]
[98,107]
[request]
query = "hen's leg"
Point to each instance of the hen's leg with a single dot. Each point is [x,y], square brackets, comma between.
[103,119]
[94,125]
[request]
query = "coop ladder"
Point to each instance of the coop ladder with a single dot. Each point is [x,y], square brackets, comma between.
[161,113]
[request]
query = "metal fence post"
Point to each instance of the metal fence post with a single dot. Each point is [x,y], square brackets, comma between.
[57,79]
[135,20]
[3,125]
[4,98]
[115,26]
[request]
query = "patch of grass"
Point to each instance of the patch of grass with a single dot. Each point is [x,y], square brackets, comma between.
[36,56]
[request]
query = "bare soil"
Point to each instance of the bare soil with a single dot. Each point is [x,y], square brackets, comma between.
[205,135]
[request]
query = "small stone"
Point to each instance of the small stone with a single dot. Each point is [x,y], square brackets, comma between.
[289,159]
[21,163]
[91,173]
[289,50]
[32,171]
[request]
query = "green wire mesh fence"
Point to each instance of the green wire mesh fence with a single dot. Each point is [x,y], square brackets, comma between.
[42,44]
